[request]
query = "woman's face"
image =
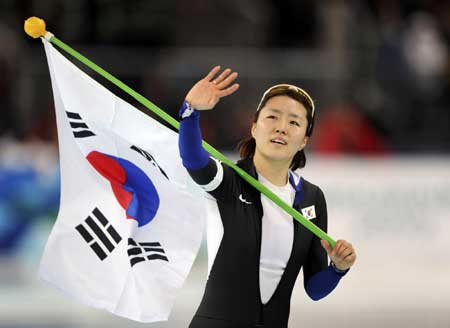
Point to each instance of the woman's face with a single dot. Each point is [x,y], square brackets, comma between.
[280,129]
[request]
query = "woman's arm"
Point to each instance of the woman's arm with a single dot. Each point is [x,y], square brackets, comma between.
[323,282]
[204,95]
[193,155]
[320,279]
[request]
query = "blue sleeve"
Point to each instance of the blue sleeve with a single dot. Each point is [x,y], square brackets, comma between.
[193,155]
[323,282]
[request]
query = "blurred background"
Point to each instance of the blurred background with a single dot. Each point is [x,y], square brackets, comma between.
[379,72]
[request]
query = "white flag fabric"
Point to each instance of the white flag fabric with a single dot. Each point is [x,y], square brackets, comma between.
[128,227]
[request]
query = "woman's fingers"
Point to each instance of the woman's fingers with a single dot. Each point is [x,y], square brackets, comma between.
[337,248]
[226,82]
[223,82]
[221,77]
[224,79]
[212,73]
[212,87]
[351,258]
[228,91]
[345,253]
[326,246]
[342,249]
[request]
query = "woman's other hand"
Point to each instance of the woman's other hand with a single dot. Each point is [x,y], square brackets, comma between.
[206,93]
[342,254]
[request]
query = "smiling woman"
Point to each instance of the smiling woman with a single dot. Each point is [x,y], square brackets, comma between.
[261,249]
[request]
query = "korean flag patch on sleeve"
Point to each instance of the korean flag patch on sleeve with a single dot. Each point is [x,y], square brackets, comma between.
[309,212]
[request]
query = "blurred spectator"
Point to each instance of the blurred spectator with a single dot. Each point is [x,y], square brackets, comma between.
[344,129]
[411,66]
[391,55]
[29,189]
[426,53]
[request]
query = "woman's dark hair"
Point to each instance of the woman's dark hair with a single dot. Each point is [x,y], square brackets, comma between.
[247,145]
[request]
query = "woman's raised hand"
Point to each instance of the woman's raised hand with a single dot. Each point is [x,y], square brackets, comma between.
[206,93]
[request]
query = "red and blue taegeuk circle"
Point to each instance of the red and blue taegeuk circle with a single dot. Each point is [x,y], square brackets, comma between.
[131,186]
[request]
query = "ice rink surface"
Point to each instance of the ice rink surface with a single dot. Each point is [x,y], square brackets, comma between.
[395,211]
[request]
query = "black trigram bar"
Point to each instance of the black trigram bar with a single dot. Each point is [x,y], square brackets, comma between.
[76,122]
[149,158]
[154,249]
[136,260]
[99,236]
[74,116]
[138,250]
[76,125]
[144,153]
[88,238]
[157,257]
[134,251]
[145,251]
[150,244]
[112,232]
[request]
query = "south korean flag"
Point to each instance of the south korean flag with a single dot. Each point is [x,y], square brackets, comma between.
[128,227]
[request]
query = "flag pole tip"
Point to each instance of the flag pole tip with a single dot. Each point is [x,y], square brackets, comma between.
[35,27]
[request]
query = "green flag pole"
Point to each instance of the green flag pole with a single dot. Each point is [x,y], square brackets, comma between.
[35,27]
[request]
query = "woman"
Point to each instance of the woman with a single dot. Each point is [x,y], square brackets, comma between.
[261,248]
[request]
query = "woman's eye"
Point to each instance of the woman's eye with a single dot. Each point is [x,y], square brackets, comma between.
[295,123]
[271,116]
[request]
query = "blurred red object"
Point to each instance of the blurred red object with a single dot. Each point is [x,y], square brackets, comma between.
[344,129]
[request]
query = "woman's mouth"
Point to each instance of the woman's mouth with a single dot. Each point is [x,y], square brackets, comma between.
[278,141]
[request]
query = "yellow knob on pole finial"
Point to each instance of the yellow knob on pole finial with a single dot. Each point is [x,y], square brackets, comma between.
[34,27]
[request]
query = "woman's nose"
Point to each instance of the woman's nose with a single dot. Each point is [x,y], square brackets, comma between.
[281,127]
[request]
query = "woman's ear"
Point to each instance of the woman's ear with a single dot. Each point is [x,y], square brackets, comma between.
[305,141]
[253,129]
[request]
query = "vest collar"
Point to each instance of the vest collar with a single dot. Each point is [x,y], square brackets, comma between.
[295,180]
